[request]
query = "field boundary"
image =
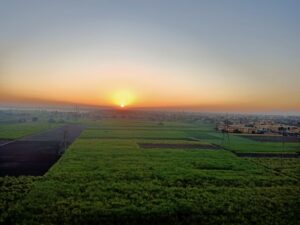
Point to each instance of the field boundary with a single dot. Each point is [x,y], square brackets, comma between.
[143,138]
[267,155]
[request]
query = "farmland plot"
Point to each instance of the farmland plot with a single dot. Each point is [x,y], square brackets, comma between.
[19,130]
[34,155]
[244,145]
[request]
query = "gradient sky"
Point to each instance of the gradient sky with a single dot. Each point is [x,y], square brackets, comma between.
[210,55]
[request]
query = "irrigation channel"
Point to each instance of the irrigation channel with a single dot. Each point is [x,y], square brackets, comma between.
[35,154]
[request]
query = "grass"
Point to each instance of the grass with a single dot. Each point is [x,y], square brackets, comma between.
[156,134]
[290,167]
[237,143]
[19,130]
[105,178]
[13,189]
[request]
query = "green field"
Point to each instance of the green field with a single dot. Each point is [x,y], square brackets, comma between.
[19,130]
[241,144]
[106,178]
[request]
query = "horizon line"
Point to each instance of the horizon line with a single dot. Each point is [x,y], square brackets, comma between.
[54,105]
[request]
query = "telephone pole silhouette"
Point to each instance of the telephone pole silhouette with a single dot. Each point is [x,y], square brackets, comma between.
[225,133]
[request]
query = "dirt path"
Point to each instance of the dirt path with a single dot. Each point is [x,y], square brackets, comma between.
[268,155]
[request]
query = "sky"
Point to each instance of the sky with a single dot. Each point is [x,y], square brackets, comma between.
[233,55]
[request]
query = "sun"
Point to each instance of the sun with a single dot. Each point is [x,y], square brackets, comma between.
[123,98]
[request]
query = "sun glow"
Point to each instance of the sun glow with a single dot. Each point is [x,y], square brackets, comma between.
[123,98]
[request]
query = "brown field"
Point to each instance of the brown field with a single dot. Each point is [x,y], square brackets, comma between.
[178,146]
[35,154]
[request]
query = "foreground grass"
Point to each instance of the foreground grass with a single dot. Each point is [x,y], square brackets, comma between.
[290,167]
[13,189]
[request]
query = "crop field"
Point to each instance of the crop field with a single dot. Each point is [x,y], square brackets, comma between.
[35,154]
[144,172]
[239,144]
[17,130]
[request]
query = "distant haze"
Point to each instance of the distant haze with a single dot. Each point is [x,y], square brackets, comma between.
[197,55]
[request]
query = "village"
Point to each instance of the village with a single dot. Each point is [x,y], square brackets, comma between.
[264,127]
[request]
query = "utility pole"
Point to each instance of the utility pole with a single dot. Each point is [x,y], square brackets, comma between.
[225,132]
[65,137]
[284,133]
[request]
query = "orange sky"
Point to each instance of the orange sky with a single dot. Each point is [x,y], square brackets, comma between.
[141,86]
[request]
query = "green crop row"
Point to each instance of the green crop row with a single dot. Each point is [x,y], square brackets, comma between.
[18,130]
